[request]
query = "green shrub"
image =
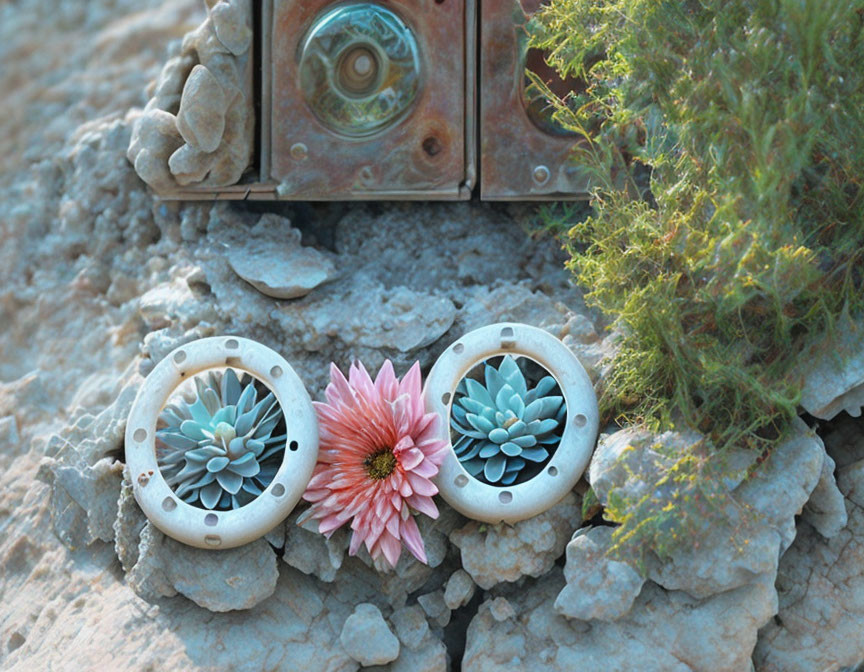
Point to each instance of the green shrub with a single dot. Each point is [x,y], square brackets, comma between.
[725,143]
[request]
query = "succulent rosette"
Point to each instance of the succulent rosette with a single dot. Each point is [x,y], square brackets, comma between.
[501,426]
[218,451]
[378,452]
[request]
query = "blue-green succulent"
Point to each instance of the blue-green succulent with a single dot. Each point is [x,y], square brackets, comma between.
[502,426]
[219,451]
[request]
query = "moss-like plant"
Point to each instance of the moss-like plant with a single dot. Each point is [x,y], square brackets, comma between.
[725,140]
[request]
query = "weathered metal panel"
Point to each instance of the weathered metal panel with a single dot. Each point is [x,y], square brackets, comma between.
[518,160]
[423,155]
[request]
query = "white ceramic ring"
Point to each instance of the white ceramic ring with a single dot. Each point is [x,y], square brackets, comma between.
[221,529]
[490,503]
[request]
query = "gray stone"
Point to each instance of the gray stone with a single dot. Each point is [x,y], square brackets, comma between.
[826,510]
[9,436]
[206,94]
[459,589]
[495,553]
[435,607]
[201,119]
[311,552]
[411,626]
[235,579]
[431,658]
[664,632]
[501,610]
[834,378]
[367,638]
[598,586]
[273,261]
[94,490]
[747,527]
[229,21]
[821,587]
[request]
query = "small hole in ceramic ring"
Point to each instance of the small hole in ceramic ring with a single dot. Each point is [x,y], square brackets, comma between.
[505,497]
[211,519]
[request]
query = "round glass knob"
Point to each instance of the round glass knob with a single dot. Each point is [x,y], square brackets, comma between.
[359,69]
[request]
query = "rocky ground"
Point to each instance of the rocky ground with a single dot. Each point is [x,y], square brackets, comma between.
[98,281]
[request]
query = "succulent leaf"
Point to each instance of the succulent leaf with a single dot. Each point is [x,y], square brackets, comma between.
[501,426]
[217,450]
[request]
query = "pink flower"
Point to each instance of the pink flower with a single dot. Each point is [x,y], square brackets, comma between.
[378,453]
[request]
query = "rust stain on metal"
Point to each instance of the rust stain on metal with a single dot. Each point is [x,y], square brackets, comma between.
[514,151]
[423,154]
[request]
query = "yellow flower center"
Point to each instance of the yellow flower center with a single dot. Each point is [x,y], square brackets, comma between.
[380,465]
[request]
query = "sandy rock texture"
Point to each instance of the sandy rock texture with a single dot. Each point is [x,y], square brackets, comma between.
[99,281]
[199,126]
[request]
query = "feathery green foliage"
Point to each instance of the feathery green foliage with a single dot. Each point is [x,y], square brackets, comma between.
[725,140]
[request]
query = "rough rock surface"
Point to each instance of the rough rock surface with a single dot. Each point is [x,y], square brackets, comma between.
[834,379]
[757,521]
[599,587]
[821,587]
[198,128]
[495,553]
[273,261]
[99,281]
[664,632]
[367,638]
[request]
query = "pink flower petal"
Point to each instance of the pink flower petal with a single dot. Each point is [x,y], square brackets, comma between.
[362,418]
[423,505]
[413,540]
[391,548]
[420,485]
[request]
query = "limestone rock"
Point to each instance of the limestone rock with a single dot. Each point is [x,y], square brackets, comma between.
[664,632]
[310,552]
[598,587]
[755,524]
[431,658]
[501,610]
[367,638]
[156,138]
[231,27]
[272,260]
[411,626]
[198,128]
[495,553]
[94,490]
[826,510]
[435,607]
[9,436]
[459,590]
[229,580]
[821,588]
[834,378]
[201,119]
